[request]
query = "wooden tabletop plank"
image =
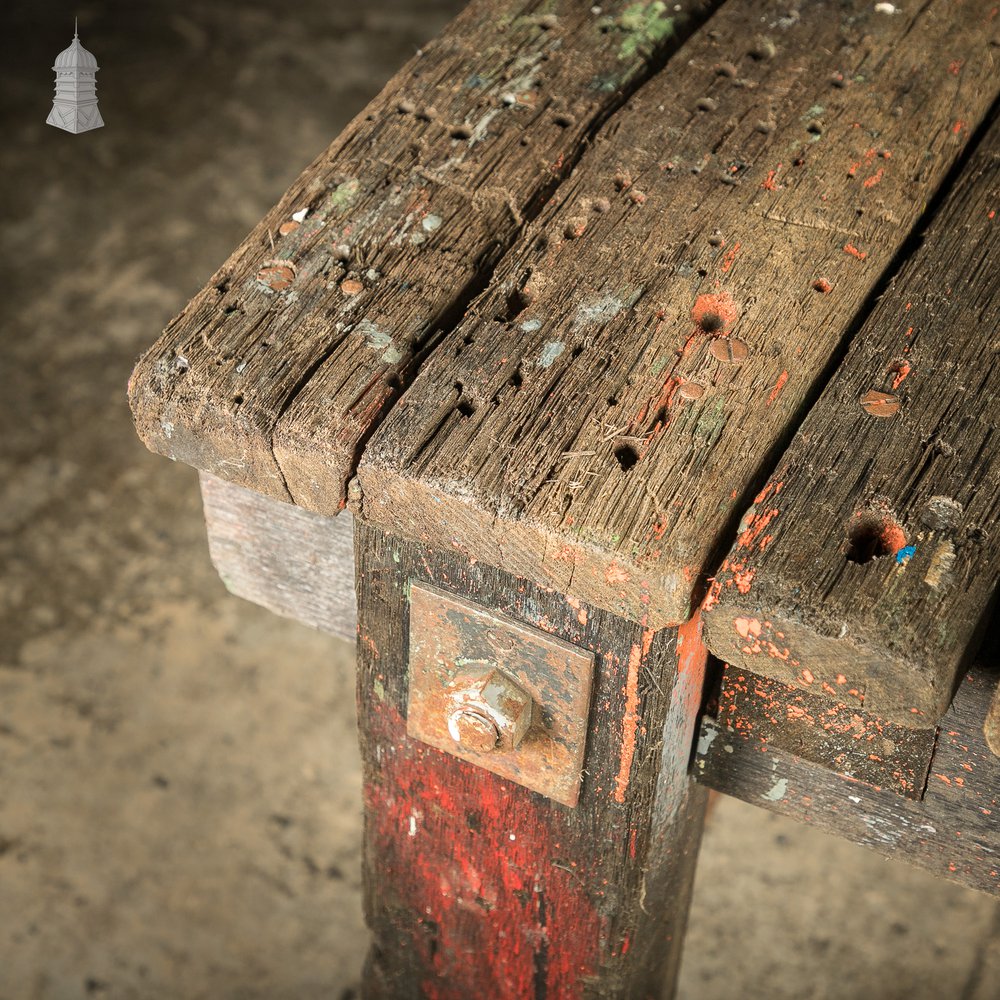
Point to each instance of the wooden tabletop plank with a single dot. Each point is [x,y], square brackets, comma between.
[384,237]
[878,567]
[612,402]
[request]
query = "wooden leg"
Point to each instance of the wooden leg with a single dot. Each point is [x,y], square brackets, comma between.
[477,886]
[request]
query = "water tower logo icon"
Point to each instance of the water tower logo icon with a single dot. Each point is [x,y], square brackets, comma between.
[75,106]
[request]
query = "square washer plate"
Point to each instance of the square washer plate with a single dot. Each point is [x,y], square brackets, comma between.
[453,640]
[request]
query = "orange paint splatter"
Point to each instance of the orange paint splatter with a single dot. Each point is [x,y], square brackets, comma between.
[778,386]
[631,719]
[714,313]
[875,178]
[712,597]
[755,528]
[854,251]
[955,67]
[957,127]
[769,183]
[615,574]
[581,612]
[902,370]
[730,257]
[744,578]
[692,653]
[756,632]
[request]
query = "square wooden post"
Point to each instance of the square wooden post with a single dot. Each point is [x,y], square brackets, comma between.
[477,886]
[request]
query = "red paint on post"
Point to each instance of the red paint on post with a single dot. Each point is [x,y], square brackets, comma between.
[478,872]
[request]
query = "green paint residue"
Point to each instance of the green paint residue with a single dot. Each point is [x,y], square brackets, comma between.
[605,84]
[711,421]
[645,26]
[345,194]
[378,340]
[379,688]
[659,365]
[550,352]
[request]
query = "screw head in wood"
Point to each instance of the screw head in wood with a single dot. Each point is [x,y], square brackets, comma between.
[690,390]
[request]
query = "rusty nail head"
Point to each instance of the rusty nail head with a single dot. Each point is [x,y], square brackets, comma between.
[879,404]
[729,350]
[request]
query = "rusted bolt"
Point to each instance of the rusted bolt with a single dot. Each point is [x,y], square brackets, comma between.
[491,712]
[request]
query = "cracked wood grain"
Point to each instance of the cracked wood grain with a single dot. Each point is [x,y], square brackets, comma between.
[879,563]
[611,403]
[378,244]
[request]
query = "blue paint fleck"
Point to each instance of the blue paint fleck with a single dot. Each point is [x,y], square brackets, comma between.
[904,554]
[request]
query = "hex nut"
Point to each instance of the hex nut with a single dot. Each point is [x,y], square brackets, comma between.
[473,731]
[493,698]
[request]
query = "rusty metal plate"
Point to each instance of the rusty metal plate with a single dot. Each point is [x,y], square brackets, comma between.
[478,670]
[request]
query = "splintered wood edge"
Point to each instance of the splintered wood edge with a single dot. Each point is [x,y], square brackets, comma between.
[225,421]
[659,578]
[788,602]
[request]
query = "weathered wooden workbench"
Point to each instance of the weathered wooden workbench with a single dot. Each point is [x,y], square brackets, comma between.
[601,335]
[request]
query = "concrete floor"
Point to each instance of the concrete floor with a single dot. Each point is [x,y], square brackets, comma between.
[179,786]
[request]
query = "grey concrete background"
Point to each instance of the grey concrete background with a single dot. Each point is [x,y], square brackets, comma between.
[179,789]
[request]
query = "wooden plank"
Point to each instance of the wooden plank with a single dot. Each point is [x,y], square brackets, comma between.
[880,559]
[593,423]
[476,886]
[952,832]
[838,735]
[384,237]
[295,563]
